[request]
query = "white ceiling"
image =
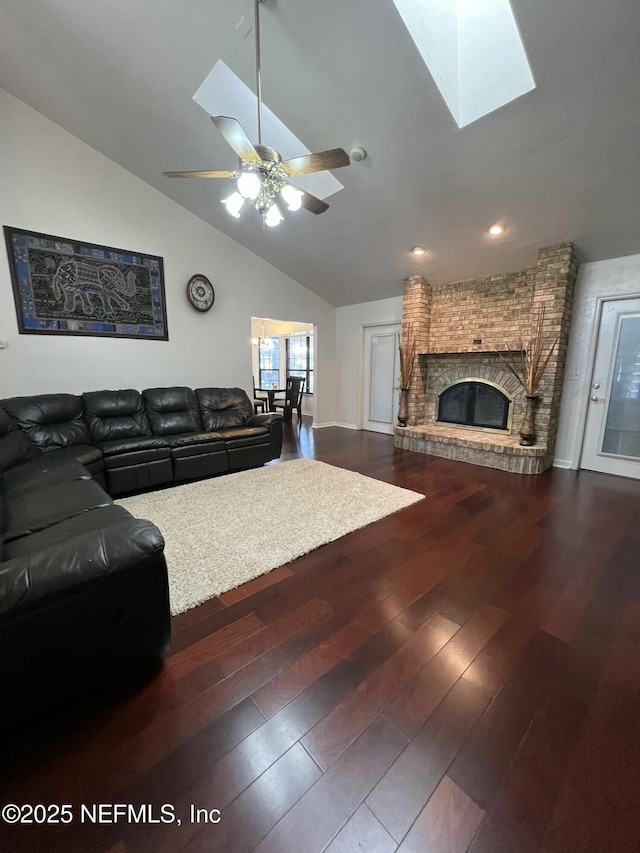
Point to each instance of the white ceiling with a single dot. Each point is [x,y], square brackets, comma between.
[561,162]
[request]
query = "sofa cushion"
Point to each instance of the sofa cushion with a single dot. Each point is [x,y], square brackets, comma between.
[191,438]
[50,420]
[252,436]
[172,410]
[136,457]
[34,511]
[130,445]
[15,445]
[65,569]
[200,444]
[242,433]
[113,415]
[85,454]
[65,530]
[47,469]
[223,407]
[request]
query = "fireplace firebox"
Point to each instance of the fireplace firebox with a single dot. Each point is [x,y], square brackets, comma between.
[475,403]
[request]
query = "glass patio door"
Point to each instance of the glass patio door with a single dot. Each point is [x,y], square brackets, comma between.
[612,435]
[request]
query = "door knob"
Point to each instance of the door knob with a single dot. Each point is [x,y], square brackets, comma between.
[595,399]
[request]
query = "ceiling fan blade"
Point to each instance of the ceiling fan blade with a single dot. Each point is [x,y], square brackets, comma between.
[333,159]
[311,203]
[232,131]
[199,174]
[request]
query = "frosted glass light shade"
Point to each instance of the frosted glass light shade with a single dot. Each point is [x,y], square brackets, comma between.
[273,216]
[234,204]
[292,197]
[249,185]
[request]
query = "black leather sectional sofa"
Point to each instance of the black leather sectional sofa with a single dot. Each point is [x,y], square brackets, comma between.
[83,584]
[129,440]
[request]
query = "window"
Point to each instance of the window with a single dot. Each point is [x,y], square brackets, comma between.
[300,358]
[269,362]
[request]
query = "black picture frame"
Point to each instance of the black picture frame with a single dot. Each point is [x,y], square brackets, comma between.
[63,286]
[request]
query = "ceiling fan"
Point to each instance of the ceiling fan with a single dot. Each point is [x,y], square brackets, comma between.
[263,175]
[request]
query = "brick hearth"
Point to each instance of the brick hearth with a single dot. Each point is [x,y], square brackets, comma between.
[459,329]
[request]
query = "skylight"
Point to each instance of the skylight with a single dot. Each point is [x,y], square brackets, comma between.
[473,50]
[223,93]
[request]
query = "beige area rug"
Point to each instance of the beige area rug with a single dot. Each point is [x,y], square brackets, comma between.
[225,531]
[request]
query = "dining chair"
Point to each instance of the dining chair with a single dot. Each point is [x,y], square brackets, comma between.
[292,399]
[260,399]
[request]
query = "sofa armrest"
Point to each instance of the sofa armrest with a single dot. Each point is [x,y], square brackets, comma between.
[31,580]
[265,420]
[274,422]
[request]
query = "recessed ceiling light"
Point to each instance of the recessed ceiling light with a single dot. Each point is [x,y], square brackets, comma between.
[496,230]
[419,250]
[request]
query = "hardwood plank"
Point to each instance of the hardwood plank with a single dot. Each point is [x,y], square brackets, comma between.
[528,794]
[193,759]
[140,753]
[249,817]
[400,795]
[275,694]
[362,832]
[598,807]
[234,658]
[496,836]
[332,735]
[215,644]
[449,821]
[486,756]
[243,764]
[502,652]
[248,589]
[195,614]
[416,702]
[327,806]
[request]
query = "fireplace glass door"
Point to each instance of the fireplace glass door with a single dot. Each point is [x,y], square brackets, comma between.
[474,403]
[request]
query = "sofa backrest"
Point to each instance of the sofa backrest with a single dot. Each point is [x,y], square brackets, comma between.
[50,420]
[223,407]
[172,410]
[15,446]
[114,415]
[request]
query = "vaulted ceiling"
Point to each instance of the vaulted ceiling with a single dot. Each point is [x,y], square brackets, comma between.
[561,162]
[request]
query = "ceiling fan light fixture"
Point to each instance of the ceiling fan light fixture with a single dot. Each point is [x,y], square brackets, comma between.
[234,204]
[249,185]
[292,197]
[273,216]
[263,174]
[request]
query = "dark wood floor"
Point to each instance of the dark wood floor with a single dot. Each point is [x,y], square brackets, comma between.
[461,676]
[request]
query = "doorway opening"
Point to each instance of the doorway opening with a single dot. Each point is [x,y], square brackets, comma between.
[281,349]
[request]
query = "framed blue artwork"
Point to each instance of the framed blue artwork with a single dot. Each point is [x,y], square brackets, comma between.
[67,287]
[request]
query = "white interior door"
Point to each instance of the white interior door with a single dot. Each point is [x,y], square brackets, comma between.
[612,435]
[381,375]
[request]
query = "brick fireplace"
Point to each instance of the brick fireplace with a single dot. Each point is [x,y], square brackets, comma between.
[460,329]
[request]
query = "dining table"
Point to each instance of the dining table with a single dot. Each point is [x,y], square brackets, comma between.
[271,393]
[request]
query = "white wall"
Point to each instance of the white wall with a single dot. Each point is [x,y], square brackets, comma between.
[616,278]
[53,183]
[350,323]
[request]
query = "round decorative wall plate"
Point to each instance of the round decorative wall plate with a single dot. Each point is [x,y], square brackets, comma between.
[200,292]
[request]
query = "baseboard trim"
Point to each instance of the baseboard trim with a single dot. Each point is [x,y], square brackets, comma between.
[334,424]
[562,463]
